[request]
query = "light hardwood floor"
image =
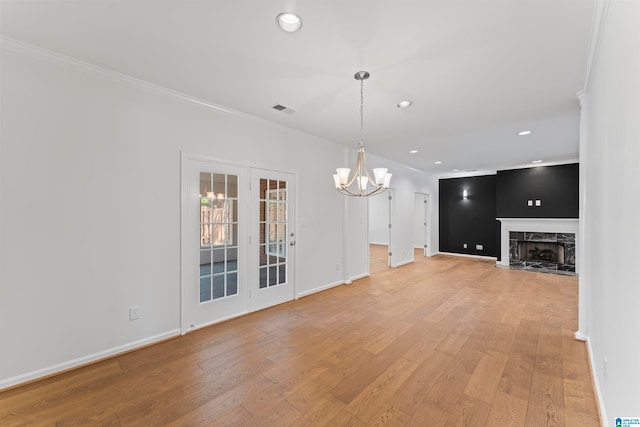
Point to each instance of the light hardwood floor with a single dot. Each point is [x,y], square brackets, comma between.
[443,341]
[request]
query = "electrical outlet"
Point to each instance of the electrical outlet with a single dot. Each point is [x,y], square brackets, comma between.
[479,247]
[464,246]
[134,313]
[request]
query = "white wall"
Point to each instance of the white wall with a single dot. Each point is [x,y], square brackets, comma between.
[610,158]
[90,191]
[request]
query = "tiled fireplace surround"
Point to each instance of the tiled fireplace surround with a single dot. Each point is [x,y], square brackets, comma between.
[543,230]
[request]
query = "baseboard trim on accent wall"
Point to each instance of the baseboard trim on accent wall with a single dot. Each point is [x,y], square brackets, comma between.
[320,289]
[488,258]
[604,421]
[60,368]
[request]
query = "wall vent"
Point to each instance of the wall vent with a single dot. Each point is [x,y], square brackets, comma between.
[283,108]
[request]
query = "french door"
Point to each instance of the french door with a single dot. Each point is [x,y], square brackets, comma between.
[273,238]
[214,242]
[237,240]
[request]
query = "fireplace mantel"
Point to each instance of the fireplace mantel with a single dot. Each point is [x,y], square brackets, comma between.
[542,225]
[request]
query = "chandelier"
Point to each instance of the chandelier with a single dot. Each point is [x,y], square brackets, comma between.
[366,184]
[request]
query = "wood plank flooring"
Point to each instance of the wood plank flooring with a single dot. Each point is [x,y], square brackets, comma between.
[441,342]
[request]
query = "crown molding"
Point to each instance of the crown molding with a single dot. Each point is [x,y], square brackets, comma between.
[595,38]
[60,59]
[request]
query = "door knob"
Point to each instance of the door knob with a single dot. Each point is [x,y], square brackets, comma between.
[292,243]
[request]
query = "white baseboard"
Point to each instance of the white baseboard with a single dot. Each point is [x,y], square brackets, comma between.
[359,276]
[75,363]
[401,263]
[604,420]
[320,289]
[580,336]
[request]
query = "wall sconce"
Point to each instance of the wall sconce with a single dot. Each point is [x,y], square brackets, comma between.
[464,195]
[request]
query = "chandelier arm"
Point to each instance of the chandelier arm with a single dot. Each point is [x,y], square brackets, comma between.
[366,171]
[347,192]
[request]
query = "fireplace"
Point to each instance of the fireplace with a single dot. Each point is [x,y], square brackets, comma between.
[539,244]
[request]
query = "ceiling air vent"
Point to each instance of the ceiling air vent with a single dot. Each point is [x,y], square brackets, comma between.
[283,108]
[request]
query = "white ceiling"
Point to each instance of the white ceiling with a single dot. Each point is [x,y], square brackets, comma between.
[477,71]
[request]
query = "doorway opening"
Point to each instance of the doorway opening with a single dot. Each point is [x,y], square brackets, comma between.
[380,219]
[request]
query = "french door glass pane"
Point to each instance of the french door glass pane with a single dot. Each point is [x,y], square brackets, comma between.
[273,206]
[218,236]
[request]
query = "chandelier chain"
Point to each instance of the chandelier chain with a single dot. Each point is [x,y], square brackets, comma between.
[362,112]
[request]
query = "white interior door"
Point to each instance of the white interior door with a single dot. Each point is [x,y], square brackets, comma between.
[214,242]
[273,238]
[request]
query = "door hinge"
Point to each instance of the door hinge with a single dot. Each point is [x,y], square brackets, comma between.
[425,246]
[424,201]
[389,225]
[390,197]
[390,254]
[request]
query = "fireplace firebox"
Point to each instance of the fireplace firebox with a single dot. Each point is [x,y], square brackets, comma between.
[541,251]
[544,252]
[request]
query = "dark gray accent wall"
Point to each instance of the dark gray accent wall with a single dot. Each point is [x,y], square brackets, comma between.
[504,195]
[556,187]
[472,221]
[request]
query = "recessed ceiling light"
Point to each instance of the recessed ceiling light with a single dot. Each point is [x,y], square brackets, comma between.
[438,162]
[536,161]
[413,151]
[524,132]
[289,22]
[405,104]
[455,170]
